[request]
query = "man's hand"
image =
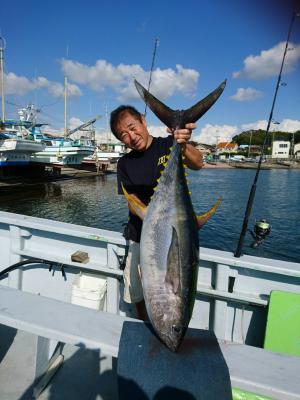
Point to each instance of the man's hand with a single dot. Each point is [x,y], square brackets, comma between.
[183,135]
[194,159]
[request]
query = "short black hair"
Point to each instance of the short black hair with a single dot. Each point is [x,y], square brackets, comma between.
[117,114]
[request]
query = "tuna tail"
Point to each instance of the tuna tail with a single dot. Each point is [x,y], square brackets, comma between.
[175,119]
[202,219]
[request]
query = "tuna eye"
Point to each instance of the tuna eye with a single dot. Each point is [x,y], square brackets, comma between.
[176,329]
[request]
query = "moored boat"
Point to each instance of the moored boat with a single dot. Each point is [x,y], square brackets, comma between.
[15,149]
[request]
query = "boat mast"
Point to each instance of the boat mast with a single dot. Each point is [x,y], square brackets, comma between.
[2,47]
[65,95]
[108,135]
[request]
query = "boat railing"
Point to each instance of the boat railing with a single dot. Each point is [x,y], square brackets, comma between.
[232,293]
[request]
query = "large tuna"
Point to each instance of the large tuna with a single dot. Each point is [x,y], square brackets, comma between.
[169,248]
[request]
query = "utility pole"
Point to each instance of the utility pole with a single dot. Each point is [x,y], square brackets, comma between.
[292,146]
[250,141]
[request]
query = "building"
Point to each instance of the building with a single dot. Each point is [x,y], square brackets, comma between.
[297,150]
[281,149]
[227,147]
[206,149]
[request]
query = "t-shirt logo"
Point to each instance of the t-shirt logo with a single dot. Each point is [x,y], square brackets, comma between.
[162,160]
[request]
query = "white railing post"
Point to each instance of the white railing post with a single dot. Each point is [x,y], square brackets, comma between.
[220,310]
[113,292]
[16,244]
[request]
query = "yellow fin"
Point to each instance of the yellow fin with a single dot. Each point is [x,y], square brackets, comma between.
[202,219]
[135,204]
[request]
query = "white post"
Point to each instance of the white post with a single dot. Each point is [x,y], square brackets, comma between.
[16,244]
[220,312]
[113,292]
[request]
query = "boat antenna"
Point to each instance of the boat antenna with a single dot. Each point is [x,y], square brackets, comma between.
[156,43]
[238,250]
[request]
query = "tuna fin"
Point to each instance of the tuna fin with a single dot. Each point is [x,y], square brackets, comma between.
[173,263]
[174,118]
[202,219]
[135,203]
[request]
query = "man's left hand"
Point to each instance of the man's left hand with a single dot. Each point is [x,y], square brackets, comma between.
[183,135]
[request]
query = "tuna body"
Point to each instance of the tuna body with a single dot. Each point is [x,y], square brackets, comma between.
[170,254]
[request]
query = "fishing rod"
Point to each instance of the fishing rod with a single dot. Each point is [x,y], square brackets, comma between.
[151,70]
[238,250]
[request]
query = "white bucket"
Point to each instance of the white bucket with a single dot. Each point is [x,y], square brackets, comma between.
[89,290]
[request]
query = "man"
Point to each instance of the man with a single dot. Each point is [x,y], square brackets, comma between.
[138,172]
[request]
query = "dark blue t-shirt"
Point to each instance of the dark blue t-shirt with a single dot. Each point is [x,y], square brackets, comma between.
[138,171]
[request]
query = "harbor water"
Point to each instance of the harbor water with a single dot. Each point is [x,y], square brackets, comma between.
[94,202]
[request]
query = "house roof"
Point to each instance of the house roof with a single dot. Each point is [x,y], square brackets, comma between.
[227,145]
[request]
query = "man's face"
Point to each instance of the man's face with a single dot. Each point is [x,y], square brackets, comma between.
[133,132]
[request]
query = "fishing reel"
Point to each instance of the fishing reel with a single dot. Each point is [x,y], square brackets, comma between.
[260,232]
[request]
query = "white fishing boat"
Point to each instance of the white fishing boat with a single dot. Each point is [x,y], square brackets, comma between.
[56,300]
[57,150]
[15,149]
[60,152]
[110,151]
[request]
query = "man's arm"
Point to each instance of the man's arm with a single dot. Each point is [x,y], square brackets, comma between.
[193,157]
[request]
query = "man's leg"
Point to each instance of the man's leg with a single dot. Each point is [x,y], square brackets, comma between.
[133,291]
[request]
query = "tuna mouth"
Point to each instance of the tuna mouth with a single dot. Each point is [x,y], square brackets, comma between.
[173,341]
[174,345]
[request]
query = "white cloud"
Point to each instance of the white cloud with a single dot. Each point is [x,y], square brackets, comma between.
[20,85]
[158,131]
[268,63]
[57,90]
[246,94]
[74,122]
[210,134]
[289,125]
[261,124]
[103,75]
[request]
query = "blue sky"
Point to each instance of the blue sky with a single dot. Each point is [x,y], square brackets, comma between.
[101,46]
